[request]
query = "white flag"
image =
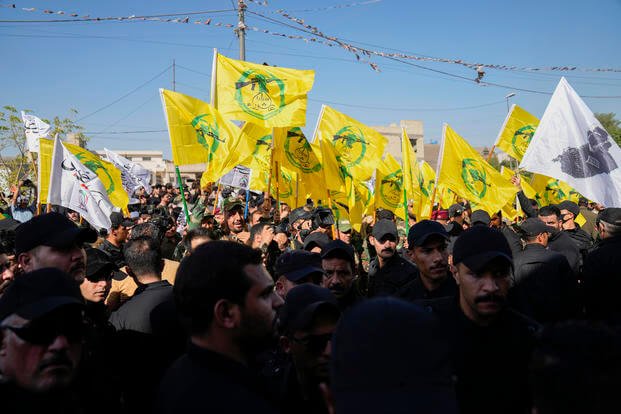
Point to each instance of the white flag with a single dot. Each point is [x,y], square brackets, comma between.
[74,186]
[571,145]
[35,129]
[133,175]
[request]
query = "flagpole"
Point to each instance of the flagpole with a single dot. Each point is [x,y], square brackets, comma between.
[185,205]
[438,165]
[403,172]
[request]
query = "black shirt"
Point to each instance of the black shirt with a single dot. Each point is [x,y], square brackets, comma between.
[416,290]
[388,280]
[205,381]
[602,281]
[135,314]
[116,253]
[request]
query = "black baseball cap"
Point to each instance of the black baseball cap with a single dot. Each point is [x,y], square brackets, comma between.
[384,214]
[98,262]
[389,356]
[611,215]
[302,303]
[384,227]
[117,219]
[338,248]
[316,239]
[533,227]
[39,292]
[480,217]
[295,265]
[456,210]
[479,245]
[421,231]
[50,229]
[569,206]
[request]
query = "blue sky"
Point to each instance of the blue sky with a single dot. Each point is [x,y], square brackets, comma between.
[52,67]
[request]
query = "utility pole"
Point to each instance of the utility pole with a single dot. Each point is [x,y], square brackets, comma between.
[241,29]
[174,86]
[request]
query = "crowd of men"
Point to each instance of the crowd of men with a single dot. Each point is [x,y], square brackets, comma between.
[245,305]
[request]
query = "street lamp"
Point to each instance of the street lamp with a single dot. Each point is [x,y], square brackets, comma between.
[511,95]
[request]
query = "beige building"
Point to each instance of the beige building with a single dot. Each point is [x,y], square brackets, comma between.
[392,132]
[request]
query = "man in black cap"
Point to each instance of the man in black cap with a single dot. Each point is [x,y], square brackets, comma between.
[559,240]
[296,268]
[52,240]
[315,242]
[388,272]
[388,356]
[456,222]
[569,212]
[482,218]
[230,310]
[117,236]
[234,225]
[427,248]
[544,287]
[307,320]
[339,273]
[41,342]
[602,269]
[491,343]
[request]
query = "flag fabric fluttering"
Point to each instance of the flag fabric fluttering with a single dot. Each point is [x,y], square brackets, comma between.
[265,95]
[75,186]
[551,190]
[409,166]
[46,149]
[516,133]
[358,147]
[133,175]
[389,187]
[463,170]
[571,145]
[35,129]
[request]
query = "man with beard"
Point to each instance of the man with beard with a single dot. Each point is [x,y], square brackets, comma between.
[559,240]
[117,236]
[427,248]
[491,343]
[307,320]
[52,240]
[338,262]
[226,299]
[388,272]
[234,226]
[40,343]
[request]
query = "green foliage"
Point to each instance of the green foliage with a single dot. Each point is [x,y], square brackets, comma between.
[610,124]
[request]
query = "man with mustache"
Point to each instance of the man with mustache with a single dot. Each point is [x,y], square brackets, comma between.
[388,272]
[338,263]
[226,299]
[234,225]
[40,342]
[491,344]
[52,240]
[427,248]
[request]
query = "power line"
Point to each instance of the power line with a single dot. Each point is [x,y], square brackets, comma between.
[125,132]
[384,108]
[117,18]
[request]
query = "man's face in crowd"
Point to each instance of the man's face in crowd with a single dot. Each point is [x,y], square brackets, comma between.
[6,268]
[311,349]
[344,236]
[208,224]
[567,220]
[338,276]
[284,285]
[551,221]
[495,221]
[386,246]
[166,198]
[73,216]
[96,288]
[258,313]
[235,220]
[482,295]
[120,234]
[431,258]
[44,354]
[71,260]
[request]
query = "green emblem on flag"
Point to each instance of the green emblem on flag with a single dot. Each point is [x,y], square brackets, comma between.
[262,145]
[260,94]
[206,133]
[298,151]
[391,189]
[94,165]
[521,139]
[350,146]
[474,177]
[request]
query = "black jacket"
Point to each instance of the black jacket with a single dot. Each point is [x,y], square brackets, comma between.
[396,273]
[515,243]
[490,363]
[602,281]
[560,242]
[202,381]
[544,287]
[416,290]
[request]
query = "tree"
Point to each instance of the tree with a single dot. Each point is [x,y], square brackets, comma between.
[610,124]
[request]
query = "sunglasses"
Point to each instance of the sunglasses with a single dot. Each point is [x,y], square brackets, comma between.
[314,343]
[44,332]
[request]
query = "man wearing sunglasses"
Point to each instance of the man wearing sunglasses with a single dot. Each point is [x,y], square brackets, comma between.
[307,321]
[41,331]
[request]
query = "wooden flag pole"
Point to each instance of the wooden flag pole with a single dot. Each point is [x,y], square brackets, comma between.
[185,204]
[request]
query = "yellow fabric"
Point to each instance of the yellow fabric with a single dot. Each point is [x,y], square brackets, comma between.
[425,180]
[260,157]
[517,131]
[580,220]
[358,148]
[107,172]
[529,191]
[552,191]
[264,95]
[200,134]
[333,175]
[464,171]
[389,187]
[46,147]
[409,167]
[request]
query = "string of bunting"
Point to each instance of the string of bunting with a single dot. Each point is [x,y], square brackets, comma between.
[317,9]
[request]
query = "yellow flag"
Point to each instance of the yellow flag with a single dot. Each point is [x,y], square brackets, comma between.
[199,134]
[334,175]
[389,187]
[107,172]
[410,167]
[552,191]
[265,95]
[516,132]
[46,147]
[464,171]
[529,191]
[358,148]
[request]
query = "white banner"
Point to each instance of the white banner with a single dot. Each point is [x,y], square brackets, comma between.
[133,175]
[34,129]
[238,177]
[571,145]
[74,186]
